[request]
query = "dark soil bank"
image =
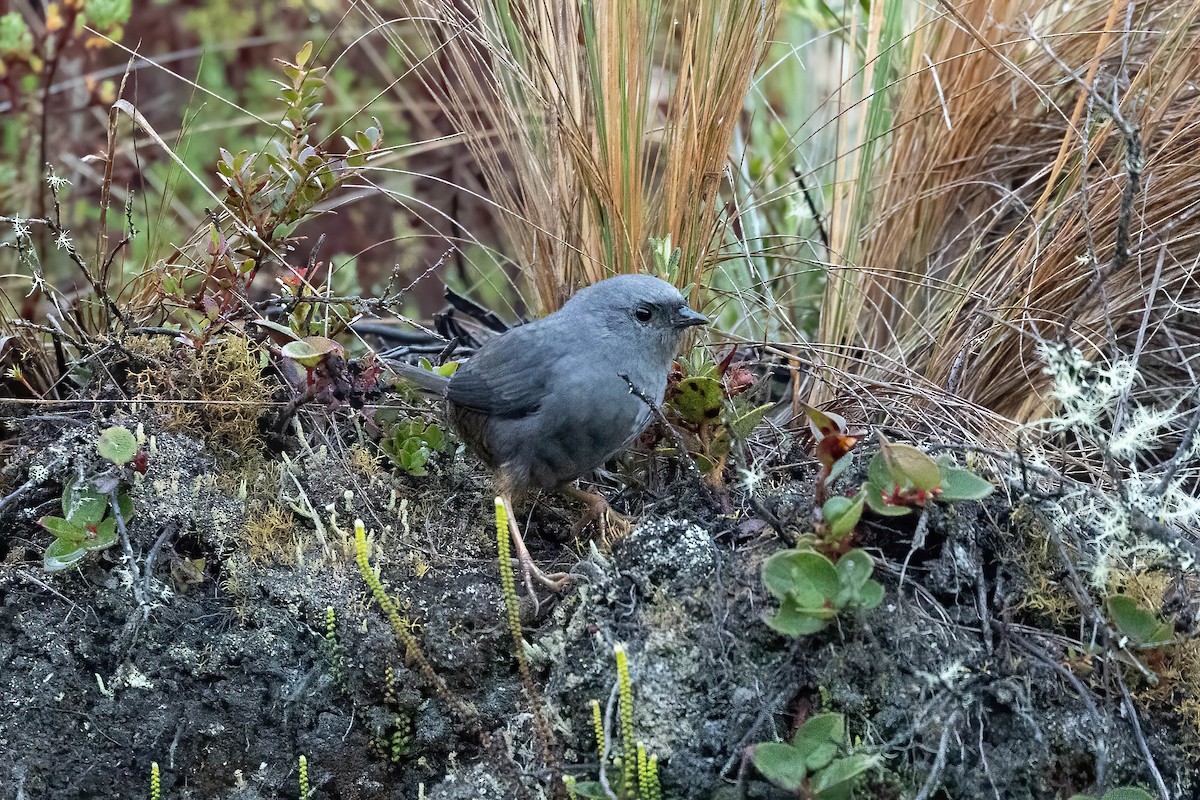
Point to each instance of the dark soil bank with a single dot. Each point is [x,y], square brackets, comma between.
[210,653]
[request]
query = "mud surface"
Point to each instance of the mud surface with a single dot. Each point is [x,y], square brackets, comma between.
[209,653]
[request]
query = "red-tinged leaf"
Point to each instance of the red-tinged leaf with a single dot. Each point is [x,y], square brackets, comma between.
[824,424]
[831,449]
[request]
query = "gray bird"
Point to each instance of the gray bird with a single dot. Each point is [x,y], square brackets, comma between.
[550,401]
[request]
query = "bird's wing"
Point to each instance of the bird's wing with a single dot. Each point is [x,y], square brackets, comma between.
[508,377]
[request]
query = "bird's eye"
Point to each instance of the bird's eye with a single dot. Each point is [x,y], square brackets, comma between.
[643,314]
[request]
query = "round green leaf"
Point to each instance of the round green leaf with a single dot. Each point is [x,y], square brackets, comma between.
[855,568]
[778,573]
[311,350]
[870,595]
[117,444]
[780,764]
[83,505]
[791,620]
[907,465]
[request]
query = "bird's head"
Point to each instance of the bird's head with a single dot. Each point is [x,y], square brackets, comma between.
[639,309]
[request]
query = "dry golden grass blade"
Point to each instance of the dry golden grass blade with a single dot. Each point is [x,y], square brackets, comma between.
[596,127]
[1003,197]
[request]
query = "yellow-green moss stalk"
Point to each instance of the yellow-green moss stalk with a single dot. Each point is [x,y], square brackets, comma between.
[403,630]
[655,792]
[625,691]
[155,782]
[508,587]
[598,730]
[643,770]
[333,651]
[305,789]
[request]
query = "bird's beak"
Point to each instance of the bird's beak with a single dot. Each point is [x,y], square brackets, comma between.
[686,318]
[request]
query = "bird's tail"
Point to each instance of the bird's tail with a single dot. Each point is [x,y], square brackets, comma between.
[423,379]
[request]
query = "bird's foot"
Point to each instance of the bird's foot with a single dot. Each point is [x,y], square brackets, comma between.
[530,573]
[612,525]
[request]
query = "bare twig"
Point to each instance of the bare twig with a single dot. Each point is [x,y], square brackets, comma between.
[1099,724]
[1163,792]
[939,761]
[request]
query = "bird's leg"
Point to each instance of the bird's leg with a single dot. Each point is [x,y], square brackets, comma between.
[530,572]
[598,510]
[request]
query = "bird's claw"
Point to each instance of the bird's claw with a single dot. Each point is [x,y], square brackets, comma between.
[612,525]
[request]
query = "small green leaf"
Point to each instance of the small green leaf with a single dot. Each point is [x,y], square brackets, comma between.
[839,467]
[792,620]
[843,513]
[855,568]
[805,575]
[961,484]
[83,505]
[61,554]
[63,529]
[779,573]
[824,727]
[304,54]
[1141,626]
[435,438]
[870,595]
[877,471]
[908,466]
[311,350]
[839,776]
[744,422]
[780,764]
[117,444]
[125,506]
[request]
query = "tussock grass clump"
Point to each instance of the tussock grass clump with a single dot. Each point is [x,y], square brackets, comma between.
[1026,178]
[596,126]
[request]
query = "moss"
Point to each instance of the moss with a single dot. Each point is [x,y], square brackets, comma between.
[1043,595]
[220,389]
[268,533]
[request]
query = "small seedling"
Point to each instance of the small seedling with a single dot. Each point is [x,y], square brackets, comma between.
[812,589]
[900,478]
[705,403]
[84,527]
[411,445]
[809,762]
